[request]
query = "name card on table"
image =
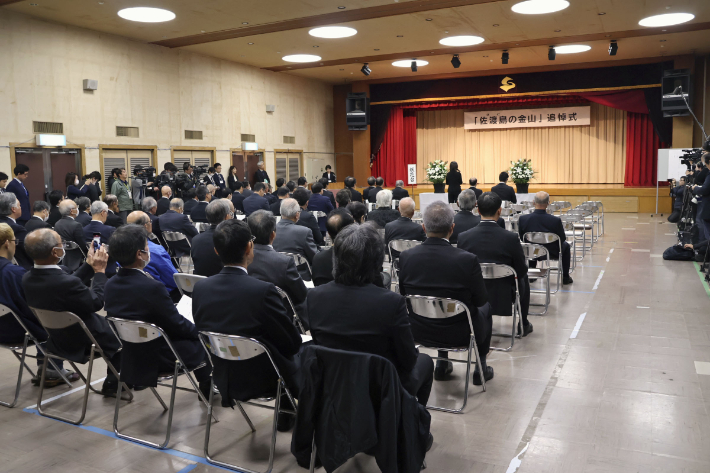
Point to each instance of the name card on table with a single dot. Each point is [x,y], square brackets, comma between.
[527,118]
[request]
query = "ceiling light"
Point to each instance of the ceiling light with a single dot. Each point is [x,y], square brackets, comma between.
[558,31]
[551,53]
[428,19]
[301,58]
[331,32]
[455,61]
[245,22]
[341,8]
[467,40]
[146,14]
[250,44]
[572,49]
[496,25]
[538,7]
[667,19]
[601,13]
[408,62]
[505,57]
[414,65]
[365,70]
[613,48]
[400,36]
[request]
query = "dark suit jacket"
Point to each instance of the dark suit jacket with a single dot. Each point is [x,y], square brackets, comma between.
[477,191]
[403,229]
[150,302]
[383,216]
[163,206]
[206,261]
[35,222]
[330,176]
[276,207]
[70,230]
[261,176]
[172,221]
[54,216]
[366,193]
[93,192]
[320,203]
[156,226]
[262,316]
[255,202]
[330,196]
[199,212]
[464,221]
[322,267]
[398,193]
[541,221]
[12,295]
[704,192]
[505,192]
[23,196]
[309,221]
[83,218]
[372,194]
[238,201]
[113,220]
[20,234]
[190,204]
[356,196]
[247,192]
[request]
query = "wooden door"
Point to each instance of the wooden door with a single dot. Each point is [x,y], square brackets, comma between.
[250,166]
[61,163]
[33,158]
[238,162]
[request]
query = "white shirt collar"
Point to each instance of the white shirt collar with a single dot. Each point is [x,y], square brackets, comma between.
[12,219]
[16,179]
[237,266]
[47,266]
[34,216]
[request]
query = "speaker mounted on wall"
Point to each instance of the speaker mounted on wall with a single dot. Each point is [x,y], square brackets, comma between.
[357,109]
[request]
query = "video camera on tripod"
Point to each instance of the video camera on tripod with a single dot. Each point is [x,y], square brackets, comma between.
[691,157]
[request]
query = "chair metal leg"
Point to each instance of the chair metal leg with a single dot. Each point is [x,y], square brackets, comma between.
[246,417]
[87,388]
[313,454]
[160,399]
[19,375]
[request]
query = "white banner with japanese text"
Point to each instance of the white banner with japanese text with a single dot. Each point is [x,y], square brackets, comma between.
[530,118]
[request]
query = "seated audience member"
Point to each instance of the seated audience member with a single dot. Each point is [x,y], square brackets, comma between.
[326,192]
[40,214]
[323,261]
[197,214]
[541,221]
[67,227]
[271,266]
[280,182]
[383,329]
[464,220]
[246,190]
[256,201]
[372,195]
[343,198]
[160,267]
[174,221]
[191,201]
[294,238]
[211,191]
[98,227]
[291,187]
[319,203]
[435,268]
[403,228]
[493,244]
[150,302]
[84,217]
[359,211]
[49,287]
[302,181]
[164,201]
[384,213]
[54,198]
[504,191]
[281,194]
[225,193]
[114,218]
[12,295]
[10,212]
[399,191]
[370,186]
[150,207]
[204,259]
[238,196]
[355,196]
[261,315]
[270,194]
[473,182]
[306,219]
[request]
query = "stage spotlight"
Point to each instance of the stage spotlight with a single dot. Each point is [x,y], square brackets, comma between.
[455,61]
[505,57]
[366,70]
[551,53]
[414,65]
[613,48]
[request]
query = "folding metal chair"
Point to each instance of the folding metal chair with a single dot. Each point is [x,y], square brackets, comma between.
[568,223]
[544,238]
[399,246]
[52,320]
[371,206]
[235,349]
[134,331]
[296,318]
[533,253]
[584,226]
[29,340]
[177,258]
[202,226]
[75,255]
[499,271]
[299,260]
[443,308]
[395,204]
[186,282]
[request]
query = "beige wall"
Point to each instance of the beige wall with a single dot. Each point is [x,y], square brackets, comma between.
[162,91]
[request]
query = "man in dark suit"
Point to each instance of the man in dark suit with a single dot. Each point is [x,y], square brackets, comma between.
[113,219]
[399,192]
[54,198]
[504,191]
[473,182]
[435,268]
[198,212]
[355,196]
[10,212]
[97,226]
[294,238]
[270,195]
[329,174]
[238,197]
[94,190]
[256,201]
[150,302]
[541,221]
[282,194]
[150,207]
[204,259]
[84,217]
[323,261]
[343,198]
[371,185]
[164,201]
[40,213]
[261,175]
[372,195]
[174,221]
[190,197]
[493,244]
[17,187]
[261,315]
[403,228]
[48,287]
[320,203]
[246,189]
[307,219]
[67,227]
[703,212]
[218,177]
[326,192]
[464,220]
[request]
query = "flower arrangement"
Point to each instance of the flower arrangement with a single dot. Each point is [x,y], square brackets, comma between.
[436,171]
[521,171]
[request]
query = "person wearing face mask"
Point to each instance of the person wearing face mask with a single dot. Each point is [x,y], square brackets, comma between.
[149,302]
[75,190]
[98,228]
[40,214]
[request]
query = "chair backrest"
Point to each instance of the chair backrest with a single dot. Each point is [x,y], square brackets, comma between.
[135,331]
[174,236]
[70,245]
[186,282]
[518,207]
[540,238]
[395,204]
[298,259]
[437,307]
[202,226]
[497,271]
[232,347]
[56,320]
[371,206]
[238,212]
[532,251]
[319,214]
[506,212]
[401,245]
[296,319]
[240,216]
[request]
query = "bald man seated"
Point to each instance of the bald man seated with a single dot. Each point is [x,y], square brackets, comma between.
[164,201]
[403,228]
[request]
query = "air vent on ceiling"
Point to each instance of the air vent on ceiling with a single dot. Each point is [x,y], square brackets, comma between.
[128,131]
[289,140]
[193,135]
[248,138]
[48,127]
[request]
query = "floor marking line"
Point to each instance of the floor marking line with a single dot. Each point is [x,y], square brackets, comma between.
[702,278]
[188,468]
[599,279]
[611,251]
[516,461]
[80,388]
[578,325]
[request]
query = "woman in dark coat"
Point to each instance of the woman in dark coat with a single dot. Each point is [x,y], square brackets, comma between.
[454,181]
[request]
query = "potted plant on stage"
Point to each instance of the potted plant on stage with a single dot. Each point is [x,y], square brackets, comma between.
[436,174]
[521,172]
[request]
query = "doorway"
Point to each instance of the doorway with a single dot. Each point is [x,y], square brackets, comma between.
[246,164]
[196,156]
[125,156]
[48,167]
[289,164]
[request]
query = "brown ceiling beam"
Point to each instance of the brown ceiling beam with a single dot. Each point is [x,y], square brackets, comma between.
[618,35]
[8,2]
[340,16]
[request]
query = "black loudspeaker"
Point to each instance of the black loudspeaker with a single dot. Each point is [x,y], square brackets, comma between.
[673,83]
[357,108]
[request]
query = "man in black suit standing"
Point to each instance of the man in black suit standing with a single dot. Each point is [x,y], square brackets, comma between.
[282,194]
[113,219]
[174,221]
[435,268]
[205,260]
[256,201]
[355,196]
[197,214]
[473,182]
[10,213]
[504,191]
[40,213]
[366,192]
[323,261]
[261,175]
[261,315]
[541,221]
[403,228]
[493,244]
[48,287]
[307,219]
[84,217]
[218,178]
[150,302]
[164,201]
[372,194]
[329,174]
[399,191]
[17,187]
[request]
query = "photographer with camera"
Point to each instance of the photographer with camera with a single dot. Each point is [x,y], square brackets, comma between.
[677,192]
[703,191]
[142,183]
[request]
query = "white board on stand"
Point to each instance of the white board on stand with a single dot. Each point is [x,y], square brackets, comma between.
[669,165]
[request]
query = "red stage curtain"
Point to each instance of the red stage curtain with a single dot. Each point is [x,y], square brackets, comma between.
[399,147]
[642,145]
[630,101]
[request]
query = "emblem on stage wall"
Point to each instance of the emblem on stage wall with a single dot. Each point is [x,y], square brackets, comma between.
[507,83]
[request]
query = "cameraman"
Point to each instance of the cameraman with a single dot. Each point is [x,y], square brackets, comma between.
[677,192]
[184,180]
[703,191]
[137,182]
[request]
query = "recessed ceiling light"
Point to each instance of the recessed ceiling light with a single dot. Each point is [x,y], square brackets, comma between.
[607,36]
[301,58]
[245,22]
[250,44]
[538,7]
[377,49]
[572,49]
[400,36]
[202,31]
[496,24]
[461,40]
[667,19]
[146,14]
[331,32]
[408,63]
[601,13]
[341,8]
[34,4]
[557,31]
[316,46]
[428,19]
